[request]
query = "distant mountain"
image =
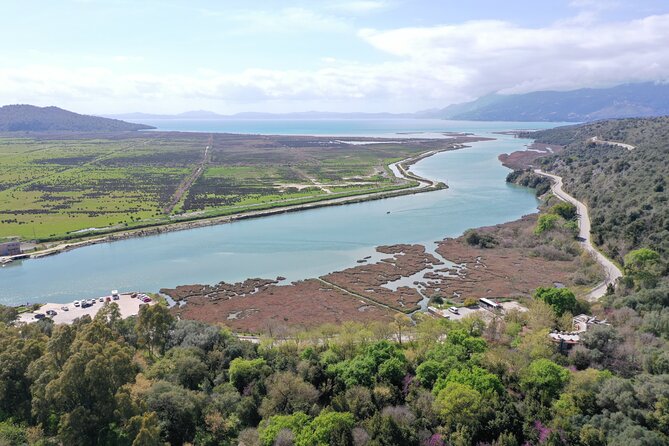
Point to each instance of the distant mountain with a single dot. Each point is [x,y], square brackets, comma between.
[203,114]
[587,104]
[28,118]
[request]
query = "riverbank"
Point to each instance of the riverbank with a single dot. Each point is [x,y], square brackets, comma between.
[401,170]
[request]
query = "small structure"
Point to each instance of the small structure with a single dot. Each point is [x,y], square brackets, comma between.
[565,340]
[438,312]
[582,322]
[489,304]
[11,248]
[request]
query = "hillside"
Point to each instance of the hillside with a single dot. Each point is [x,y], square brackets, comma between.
[625,189]
[588,104]
[28,118]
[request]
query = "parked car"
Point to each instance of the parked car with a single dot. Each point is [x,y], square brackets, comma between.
[65,308]
[39,316]
[76,303]
[90,302]
[146,299]
[133,295]
[51,312]
[454,310]
[116,297]
[102,299]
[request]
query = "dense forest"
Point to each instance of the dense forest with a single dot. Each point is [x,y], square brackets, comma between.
[28,118]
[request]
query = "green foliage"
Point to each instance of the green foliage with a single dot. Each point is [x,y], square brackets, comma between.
[625,190]
[244,372]
[544,378]
[95,382]
[328,428]
[458,405]
[565,210]
[477,378]
[562,300]
[270,429]
[644,266]
[381,361]
[8,314]
[481,240]
[154,323]
[545,223]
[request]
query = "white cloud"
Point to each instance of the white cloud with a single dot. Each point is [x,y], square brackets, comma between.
[286,20]
[497,55]
[360,7]
[432,65]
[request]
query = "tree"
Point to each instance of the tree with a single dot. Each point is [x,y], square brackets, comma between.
[270,429]
[8,314]
[81,394]
[546,222]
[458,405]
[179,410]
[545,379]
[565,210]
[287,393]
[109,314]
[244,372]
[644,266]
[328,428]
[149,432]
[153,326]
[401,322]
[562,300]
[475,377]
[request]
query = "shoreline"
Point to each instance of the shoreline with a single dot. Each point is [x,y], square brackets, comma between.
[402,167]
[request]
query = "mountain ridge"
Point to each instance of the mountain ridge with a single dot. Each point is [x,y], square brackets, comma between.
[646,99]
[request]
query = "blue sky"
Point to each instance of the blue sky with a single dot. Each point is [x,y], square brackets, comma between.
[112,56]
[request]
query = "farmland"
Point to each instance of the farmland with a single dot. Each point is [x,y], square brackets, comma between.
[61,186]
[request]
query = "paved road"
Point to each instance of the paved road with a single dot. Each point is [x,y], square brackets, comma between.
[611,270]
[597,140]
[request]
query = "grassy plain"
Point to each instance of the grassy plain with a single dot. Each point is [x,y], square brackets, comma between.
[55,186]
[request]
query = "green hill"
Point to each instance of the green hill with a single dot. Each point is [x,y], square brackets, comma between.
[28,118]
[625,189]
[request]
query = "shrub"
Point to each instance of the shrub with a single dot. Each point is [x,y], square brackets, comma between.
[545,223]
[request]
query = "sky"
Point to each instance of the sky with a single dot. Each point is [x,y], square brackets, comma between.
[170,56]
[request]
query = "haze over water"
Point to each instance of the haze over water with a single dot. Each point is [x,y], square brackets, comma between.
[295,245]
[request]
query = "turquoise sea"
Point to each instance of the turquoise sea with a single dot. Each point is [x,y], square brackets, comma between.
[295,245]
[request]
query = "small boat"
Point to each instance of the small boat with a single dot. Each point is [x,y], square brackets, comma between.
[388,212]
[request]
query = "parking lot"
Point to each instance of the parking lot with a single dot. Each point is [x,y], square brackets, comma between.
[128,305]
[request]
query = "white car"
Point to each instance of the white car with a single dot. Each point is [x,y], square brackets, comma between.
[65,308]
[454,310]
[76,303]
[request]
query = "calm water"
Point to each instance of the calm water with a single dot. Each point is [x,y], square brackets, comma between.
[297,245]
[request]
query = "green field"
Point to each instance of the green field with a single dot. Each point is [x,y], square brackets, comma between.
[55,187]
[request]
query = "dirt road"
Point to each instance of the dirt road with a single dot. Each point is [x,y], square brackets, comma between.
[611,270]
